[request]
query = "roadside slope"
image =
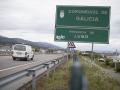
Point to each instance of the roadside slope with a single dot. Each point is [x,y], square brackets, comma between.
[98,77]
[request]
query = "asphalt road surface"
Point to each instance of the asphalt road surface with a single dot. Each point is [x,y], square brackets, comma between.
[8,62]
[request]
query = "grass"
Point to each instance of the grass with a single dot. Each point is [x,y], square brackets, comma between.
[97,79]
[56,81]
[102,64]
[59,80]
[109,64]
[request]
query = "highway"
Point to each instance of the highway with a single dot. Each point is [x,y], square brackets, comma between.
[10,67]
[7,62]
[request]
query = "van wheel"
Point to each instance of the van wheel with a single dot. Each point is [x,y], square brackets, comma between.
[32,57]
[14,58]
[27,58]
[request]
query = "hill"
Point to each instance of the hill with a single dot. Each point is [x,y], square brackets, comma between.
[11,41]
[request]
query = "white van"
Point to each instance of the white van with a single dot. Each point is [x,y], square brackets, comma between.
[21,51]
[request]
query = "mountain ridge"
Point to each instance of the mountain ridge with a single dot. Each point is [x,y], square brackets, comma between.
[11,41]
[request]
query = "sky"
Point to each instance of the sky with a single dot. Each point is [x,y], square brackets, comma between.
[34,20]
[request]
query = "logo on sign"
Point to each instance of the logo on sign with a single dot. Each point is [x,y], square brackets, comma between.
[62,14]
[60,37]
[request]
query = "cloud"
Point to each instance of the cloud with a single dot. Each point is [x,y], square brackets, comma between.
[26,15]
[35,19]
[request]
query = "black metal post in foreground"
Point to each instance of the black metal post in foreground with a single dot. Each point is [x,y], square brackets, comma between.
[78,80]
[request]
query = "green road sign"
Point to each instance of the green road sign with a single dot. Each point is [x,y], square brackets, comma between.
[82,24]
[82,35]
[83,16]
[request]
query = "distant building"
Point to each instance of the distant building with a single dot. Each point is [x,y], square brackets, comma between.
[113,56]
[5,48]
[59,51]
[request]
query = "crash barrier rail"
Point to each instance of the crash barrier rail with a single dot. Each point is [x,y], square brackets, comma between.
[9,81]
[9,53]
[5,53]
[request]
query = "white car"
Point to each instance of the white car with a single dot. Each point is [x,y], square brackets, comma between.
[101,59]
[22,51]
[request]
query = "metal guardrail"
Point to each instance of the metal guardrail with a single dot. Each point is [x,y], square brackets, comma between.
[5,53]
[8,79]
[9,53]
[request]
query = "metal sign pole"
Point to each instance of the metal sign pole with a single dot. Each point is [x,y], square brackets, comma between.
[73,55]
[92,58]
[116,60]
[68,50]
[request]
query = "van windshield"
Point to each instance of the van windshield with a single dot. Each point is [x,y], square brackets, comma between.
[20,47]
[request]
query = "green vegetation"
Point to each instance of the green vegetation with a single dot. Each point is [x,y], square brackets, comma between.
[97,79]
[109,64]
[97,56]
[118,67]
[57,80]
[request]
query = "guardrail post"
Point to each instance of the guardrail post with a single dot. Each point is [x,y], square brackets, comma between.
[48,69]
[58,61]
[65,58]
[54,65]
[32,72]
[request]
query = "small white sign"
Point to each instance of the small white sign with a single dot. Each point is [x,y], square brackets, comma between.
[62,14]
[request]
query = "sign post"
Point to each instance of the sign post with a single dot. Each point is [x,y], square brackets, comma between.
[82,24]
[92,57]
[82,16]
[88,24]
[81,35]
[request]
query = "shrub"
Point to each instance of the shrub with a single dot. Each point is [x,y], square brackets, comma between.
[98,56]
[112,64]
[107,62]
[118,67]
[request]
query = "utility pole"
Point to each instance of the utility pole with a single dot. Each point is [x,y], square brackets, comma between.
[116,59]
[92,58]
